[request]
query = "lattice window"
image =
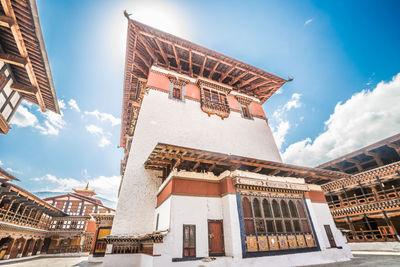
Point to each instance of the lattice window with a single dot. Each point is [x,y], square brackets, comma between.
[189,241]
[274,215]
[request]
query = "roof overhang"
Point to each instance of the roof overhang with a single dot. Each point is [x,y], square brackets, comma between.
[7,175]
[147,47]
[22,46]
[165,158]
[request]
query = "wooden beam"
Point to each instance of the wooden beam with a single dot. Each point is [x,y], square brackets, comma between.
[19,40]
[176,57]
[238,78]
[213,70]
[202,66]
[31,90]
[260,84]
[249,81]
[226,74]
[162,51]
[12,59]
[190,63]
[6,21]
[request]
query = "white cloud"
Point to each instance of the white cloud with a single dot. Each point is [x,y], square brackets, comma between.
[1,163]
[308,21]
[73,105]
[13,171]
[99,132]
[104,186]
[23,117]
[365,118]
[104,117]
[61,104]
[279,119]
[51,125]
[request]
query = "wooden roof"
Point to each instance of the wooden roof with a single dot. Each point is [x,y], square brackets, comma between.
[7,175]
[22,46]
[24,196]
[147,46]
[375,155]
[165,157]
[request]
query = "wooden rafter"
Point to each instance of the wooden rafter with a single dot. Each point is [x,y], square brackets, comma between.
[203,65]
[213,70]
[248,81]
[31,90]
[6,21]
[190,63]
[223,77]
[14,60]
[161,51]
[176,57]
[235,80]
[16,32]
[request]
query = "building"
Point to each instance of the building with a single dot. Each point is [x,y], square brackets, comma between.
[24,220]
[24,67]
[202,178]
[76,232]
[366,206]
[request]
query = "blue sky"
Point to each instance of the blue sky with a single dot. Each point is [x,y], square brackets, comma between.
[343,56]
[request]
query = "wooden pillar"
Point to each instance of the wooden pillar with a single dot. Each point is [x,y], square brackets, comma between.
[31,246]
[351,226]
[362,191]
[9,207]
[390,223]
[41,243]
[9,248]
[382,186]
[22,214]
[375,192]
[16,211]
[21,250]
[395,191]
[345,194]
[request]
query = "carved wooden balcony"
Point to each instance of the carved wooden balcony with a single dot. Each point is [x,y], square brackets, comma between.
[369,236]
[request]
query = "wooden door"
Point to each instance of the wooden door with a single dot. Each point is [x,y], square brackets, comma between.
[330,236]
[215,238]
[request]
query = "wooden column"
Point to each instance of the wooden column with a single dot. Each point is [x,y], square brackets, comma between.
[382,186]
[10,246]
[351,226]
[362,191]
[21,250]
[345,194]
[390,223]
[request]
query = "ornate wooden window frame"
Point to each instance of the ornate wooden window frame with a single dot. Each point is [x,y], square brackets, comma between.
[211,108]
[251,243]
[177,84]
[244,103]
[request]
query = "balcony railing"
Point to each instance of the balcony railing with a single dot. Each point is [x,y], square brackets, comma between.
[19,219]
[370,198]
[369,236]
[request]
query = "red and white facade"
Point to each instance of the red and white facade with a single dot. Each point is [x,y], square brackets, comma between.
[203,181]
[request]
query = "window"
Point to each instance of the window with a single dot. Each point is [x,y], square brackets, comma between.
[177,93]
[215,97]
[274,215]
[245,111]
[158,218]
[189,241]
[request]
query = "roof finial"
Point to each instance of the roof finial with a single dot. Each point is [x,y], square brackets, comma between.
[126,14]
[87,186]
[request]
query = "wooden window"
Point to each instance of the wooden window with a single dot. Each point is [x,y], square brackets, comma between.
[177,92]
[256,208]
[215,97]
[245,111]
[274,215]
[189,241]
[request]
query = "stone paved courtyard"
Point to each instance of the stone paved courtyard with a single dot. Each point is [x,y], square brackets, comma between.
[359,260]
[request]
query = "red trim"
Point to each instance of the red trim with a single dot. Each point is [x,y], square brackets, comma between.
[190,187]
[315,196]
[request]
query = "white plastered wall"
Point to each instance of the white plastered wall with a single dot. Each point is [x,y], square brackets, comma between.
[184,124]
[325,218]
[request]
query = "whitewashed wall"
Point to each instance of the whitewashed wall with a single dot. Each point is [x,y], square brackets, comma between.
[183,124]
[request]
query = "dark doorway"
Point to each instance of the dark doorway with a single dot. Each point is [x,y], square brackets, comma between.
[330,236]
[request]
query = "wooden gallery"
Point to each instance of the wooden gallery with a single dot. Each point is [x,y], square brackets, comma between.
[202,178]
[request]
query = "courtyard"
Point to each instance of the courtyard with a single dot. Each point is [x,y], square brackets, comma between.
[364,260]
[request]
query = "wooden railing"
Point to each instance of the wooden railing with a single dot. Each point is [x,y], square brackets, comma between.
[19,219]
[69,249]
[369,236]
[370,198]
